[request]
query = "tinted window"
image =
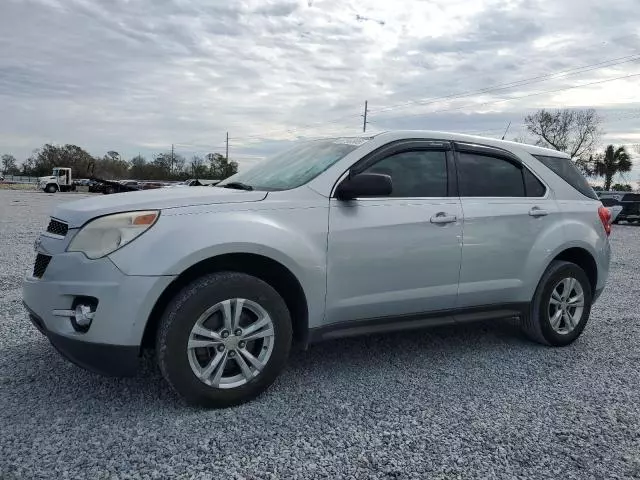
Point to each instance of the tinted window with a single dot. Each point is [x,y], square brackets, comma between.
[566,169]
[486,176]
[415,174]
[533,186]
[609,202]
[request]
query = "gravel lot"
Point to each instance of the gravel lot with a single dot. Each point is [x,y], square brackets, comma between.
[458,402]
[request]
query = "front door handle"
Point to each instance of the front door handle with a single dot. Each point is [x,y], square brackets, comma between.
[538,212]
[442,218]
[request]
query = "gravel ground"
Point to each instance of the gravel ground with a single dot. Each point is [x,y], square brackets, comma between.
[451,403]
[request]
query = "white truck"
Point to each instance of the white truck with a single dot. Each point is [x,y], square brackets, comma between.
[59,181]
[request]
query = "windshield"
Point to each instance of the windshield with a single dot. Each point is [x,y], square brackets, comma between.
[296,166]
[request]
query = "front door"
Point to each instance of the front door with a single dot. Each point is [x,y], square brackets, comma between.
[399,254]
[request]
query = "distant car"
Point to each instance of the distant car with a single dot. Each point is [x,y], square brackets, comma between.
[626,204]
[196,182]
[130,183]
[613,206]
[151,185]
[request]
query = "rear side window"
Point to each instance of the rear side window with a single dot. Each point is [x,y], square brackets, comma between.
[609,202]
[533,186]
[483,175]
[631,197]
[566,169]
[486,176]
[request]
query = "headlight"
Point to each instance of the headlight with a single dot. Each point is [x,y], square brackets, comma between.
[105,235]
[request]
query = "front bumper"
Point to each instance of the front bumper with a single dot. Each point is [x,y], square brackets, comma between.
[110,360]
[124,304]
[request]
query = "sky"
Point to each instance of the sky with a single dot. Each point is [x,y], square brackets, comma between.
[137,76]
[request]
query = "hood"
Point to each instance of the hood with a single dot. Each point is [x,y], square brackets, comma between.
[43,179]
[78,212]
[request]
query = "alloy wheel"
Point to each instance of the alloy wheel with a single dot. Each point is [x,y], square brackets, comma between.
[231,343]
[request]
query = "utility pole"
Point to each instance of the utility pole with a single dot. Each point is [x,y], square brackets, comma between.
[364,124]
[172,158]
[227,150]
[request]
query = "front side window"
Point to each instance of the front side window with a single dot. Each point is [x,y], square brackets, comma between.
[296,166]
[419,173]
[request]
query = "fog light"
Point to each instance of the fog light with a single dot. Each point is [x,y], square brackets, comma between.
[83,315]
[80,316]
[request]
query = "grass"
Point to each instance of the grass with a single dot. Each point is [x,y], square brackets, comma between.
[18,186]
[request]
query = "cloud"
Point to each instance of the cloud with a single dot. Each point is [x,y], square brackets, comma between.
[139,75]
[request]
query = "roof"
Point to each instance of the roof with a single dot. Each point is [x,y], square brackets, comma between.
[461,137]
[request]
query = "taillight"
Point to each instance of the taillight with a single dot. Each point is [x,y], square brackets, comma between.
[605,218]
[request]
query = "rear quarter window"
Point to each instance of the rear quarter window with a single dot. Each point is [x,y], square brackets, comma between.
[566,169]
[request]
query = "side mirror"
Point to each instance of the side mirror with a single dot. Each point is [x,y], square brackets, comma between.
[364,185]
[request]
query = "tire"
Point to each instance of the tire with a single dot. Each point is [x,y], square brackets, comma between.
[177,361]
[537,324]
[109,190]
[51,188]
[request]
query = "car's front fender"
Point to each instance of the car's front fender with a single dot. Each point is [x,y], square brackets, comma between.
[294,237]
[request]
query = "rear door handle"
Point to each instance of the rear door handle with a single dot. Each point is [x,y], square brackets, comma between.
[442,218]
[538,212]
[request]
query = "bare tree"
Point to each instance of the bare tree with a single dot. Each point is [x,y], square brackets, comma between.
[575,132]
[9,164]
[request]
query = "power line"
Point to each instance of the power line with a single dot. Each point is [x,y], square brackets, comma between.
[523,82]
[519,97]
[517,83]
[527,81]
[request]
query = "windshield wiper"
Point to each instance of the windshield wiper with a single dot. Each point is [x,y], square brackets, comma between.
[237,186]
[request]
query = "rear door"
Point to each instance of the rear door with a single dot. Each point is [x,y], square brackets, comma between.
[399,254]
[506,209]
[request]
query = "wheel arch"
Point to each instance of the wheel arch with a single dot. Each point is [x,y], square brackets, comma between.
[263,267]
[582,258]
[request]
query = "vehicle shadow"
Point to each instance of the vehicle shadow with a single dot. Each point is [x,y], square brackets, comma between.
[38,379]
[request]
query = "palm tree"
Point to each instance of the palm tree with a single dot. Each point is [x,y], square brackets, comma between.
[613,161]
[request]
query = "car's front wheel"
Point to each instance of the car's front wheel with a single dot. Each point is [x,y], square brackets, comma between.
[561,305]
[224,339]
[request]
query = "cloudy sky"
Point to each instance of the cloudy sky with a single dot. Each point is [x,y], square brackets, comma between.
[138,75]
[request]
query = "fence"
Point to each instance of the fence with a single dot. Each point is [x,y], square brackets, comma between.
[20,179]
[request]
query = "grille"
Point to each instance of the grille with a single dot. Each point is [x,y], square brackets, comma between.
[57,228]
[42,262]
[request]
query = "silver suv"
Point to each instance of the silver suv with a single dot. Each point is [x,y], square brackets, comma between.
[334,237]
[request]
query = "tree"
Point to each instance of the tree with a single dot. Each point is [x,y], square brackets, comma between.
[614,160]
[198,168]
[139,168]
[575,132]
[72,156]
[619,187]
[10,165]
[220,167]
[111,166]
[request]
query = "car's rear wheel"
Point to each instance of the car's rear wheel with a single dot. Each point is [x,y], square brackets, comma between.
[224,339]
[561,305]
